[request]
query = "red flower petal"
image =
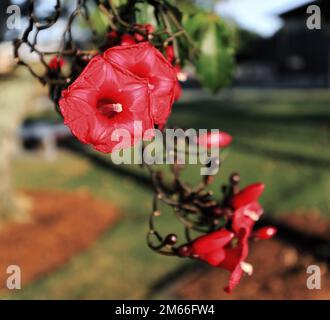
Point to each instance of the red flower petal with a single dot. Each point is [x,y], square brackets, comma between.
[234,279]
[209,248]
[245,217]
[102,99]
[249,194]
[177,91]
[233,259]
[265,233]
[215,139]
[148,63]
[212,241]
[169,53]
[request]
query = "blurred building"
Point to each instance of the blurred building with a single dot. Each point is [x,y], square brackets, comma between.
[294,57]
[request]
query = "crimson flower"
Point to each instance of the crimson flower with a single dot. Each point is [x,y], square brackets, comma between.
[215,139]
[104,98]
[146,62]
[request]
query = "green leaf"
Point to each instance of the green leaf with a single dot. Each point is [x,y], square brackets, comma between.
[215,63]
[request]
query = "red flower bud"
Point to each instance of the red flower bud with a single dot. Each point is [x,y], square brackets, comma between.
[177,91]
[127,40]
[56,63]
[247,195]
[210,247]
[265,233]
[215,139]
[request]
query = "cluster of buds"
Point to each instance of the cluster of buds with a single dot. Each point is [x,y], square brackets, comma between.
[226,225]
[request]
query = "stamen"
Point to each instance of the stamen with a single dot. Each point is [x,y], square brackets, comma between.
[110,109]
[247,268]
[251,214]
[117,107]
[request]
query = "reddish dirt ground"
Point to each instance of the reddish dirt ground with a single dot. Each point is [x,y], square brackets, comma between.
[279,271]
[61,225]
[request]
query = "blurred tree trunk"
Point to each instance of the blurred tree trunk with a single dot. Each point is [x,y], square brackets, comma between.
[7,201]
[13,107]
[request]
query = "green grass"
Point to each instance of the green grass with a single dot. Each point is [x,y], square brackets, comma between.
[281,138]
[284,144]
[119,265]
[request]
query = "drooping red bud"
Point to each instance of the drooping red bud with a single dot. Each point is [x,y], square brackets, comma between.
[249,194]
[215,139]
[210,247]
[265,233]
